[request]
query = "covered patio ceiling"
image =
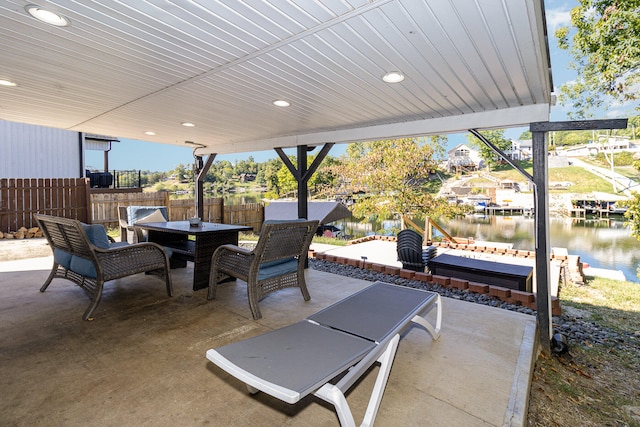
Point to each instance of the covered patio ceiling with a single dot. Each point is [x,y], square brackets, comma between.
[126,67]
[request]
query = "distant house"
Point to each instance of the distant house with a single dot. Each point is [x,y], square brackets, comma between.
[463,159]
[29,151]
[520,150]
[605,144]
[247,177]
[614,143]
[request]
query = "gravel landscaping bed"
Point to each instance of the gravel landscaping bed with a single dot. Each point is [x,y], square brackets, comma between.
[570,323]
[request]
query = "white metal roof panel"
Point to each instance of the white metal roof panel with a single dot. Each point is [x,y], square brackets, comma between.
[127,66]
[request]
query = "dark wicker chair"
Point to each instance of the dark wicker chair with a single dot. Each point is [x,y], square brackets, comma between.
[277,262]
[83,254]
[410,250]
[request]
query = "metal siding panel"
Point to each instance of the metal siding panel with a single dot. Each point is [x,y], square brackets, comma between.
[37,151]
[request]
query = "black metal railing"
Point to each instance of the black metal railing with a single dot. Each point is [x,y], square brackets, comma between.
[114,179]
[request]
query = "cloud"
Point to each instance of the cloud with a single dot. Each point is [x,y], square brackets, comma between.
[558,17]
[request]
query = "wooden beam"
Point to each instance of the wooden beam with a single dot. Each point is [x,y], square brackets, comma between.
[541,195]
[202,173]
[500,153]
[301,173]
[541,204]
[578,125]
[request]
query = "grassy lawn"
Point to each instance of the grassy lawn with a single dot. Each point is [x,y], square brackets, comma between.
[581,180]
[629,172]
[593,384]
[251,237]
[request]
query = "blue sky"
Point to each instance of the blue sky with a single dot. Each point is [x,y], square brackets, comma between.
[131,154]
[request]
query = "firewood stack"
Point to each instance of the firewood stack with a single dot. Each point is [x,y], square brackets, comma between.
[22,233]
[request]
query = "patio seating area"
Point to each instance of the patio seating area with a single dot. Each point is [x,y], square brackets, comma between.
[142,360]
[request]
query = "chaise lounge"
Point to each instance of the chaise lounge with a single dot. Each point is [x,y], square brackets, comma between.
[346,339]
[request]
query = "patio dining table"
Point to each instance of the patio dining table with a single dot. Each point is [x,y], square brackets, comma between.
[199,249]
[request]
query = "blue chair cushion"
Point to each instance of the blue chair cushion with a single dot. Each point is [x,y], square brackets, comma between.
[83,267]
[277,268]
[97,235]
[62,257]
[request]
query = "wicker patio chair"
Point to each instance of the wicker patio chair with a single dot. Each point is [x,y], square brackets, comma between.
[277,261]
[83,254]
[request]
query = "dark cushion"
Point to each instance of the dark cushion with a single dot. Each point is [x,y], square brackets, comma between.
[277,268]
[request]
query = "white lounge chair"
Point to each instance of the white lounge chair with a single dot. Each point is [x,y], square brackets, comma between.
[292,362]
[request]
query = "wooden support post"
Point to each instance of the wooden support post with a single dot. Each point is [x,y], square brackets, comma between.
[202,169]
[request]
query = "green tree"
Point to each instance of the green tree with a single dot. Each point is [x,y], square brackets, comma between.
[183,173]
[323,176]
[246,166]
[496,137]
[633,215]
[395,177]
[526,135]
[605,47]
[268,175]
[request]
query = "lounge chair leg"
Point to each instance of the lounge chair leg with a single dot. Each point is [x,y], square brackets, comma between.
[168,282]
[303,287]
[332,394]
[386,361]
[434,331]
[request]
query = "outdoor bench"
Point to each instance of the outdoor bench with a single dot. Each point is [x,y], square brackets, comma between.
[83,254]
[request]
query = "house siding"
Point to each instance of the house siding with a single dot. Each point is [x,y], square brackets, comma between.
[28,151]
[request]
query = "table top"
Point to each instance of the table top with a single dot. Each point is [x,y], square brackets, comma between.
[183,227]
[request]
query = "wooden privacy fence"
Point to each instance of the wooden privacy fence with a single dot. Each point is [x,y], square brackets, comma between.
[72,198]
[21,198]
[104,209]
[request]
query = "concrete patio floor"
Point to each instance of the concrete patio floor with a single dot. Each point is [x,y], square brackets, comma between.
[141,361]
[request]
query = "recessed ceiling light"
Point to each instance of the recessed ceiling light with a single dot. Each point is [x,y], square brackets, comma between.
[188,124]
[149,132]
[393,77]
[7,83]
[281,103]
[47,16]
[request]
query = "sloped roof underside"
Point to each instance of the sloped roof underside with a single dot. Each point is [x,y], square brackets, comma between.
[124,67]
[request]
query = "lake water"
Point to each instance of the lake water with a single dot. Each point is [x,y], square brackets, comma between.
[605,243]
